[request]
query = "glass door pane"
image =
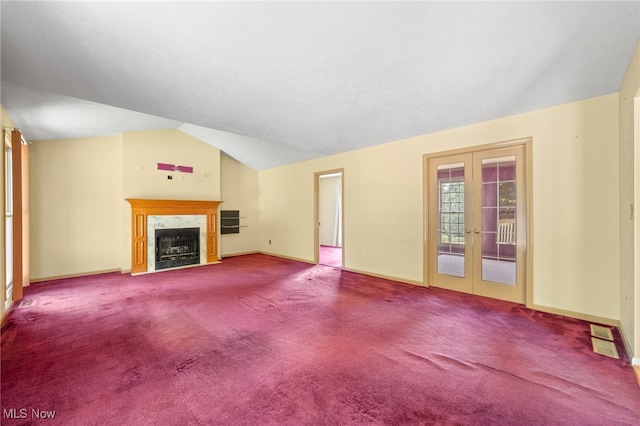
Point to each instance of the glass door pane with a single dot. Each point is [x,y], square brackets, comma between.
[498,242]
[451,220]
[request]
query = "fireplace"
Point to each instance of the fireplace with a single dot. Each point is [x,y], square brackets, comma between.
[177,247]
[147,216]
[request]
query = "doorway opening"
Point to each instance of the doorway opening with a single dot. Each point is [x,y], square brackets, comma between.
[329,196]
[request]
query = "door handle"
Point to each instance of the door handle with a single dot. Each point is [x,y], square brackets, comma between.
[477,231]
[468,231]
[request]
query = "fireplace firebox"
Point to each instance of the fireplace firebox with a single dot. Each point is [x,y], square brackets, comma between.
[177,247]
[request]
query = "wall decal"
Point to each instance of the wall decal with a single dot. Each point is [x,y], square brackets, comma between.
[173,168]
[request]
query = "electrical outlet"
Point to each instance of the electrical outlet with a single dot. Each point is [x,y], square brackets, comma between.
[269,241]
[169,177]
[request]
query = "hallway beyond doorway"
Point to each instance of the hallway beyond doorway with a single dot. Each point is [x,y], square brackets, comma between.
[331,256]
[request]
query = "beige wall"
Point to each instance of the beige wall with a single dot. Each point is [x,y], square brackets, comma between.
[75,196]
[286,210]
[142,151]
[575,184]
[629,306]
[80,221]
[240,192]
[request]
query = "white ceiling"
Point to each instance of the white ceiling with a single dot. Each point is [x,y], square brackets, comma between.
[272,83]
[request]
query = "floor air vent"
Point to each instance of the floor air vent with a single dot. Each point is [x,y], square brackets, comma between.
[601,332]
[604,347]
[25,303]
[602,341]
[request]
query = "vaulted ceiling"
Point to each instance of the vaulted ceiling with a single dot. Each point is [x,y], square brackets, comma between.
[272,83]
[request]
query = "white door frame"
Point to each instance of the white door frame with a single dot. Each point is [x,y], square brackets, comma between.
[528,260]
[316,212]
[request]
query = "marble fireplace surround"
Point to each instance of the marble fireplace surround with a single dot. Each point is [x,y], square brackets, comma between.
[147,215]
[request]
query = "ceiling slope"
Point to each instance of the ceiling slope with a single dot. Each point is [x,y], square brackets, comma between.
[298,80]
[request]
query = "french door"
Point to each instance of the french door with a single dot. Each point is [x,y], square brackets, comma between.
[476,206]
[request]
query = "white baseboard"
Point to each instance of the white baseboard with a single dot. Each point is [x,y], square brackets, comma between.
[577,315]
[80,274]
[239,253]
[297,259]
[385,277]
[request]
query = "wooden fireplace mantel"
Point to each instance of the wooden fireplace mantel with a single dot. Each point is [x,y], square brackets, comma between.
[141,208]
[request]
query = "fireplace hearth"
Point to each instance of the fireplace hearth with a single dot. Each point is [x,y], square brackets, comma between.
[177,247]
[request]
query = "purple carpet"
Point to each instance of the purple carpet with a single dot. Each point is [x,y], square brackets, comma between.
[260,340]
[331,256]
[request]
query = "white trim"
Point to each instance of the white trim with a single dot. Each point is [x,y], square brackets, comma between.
[635,331]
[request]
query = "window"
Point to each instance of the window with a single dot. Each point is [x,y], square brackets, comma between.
[452,212]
